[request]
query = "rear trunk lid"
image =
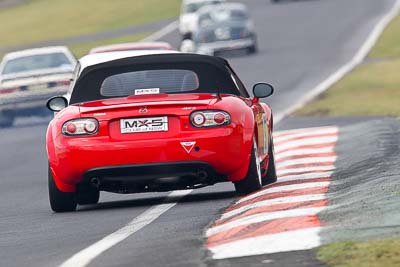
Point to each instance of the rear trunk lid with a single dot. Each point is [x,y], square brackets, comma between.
[146,116]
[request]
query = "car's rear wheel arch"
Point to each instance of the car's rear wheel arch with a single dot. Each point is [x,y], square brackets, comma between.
[60,201]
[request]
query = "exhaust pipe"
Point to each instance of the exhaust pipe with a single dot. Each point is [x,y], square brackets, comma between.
[95,182]
[202,175]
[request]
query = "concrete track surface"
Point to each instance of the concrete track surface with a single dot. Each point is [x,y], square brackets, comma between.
[301,43]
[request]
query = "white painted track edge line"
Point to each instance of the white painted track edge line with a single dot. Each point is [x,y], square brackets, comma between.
[346,68]
[85,256]
[162,32]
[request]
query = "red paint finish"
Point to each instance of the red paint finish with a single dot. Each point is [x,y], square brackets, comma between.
[225,148]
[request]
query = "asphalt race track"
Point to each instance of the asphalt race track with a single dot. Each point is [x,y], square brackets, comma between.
[301,43]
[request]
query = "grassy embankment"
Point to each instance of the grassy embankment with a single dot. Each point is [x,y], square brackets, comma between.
[41,20]
[381,253]
[372,89]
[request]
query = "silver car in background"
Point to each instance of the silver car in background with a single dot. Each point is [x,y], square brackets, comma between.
[222,28]
[29,77]
[189,16]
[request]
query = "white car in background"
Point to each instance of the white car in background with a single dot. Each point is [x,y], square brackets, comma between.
[28,78]
[188,17]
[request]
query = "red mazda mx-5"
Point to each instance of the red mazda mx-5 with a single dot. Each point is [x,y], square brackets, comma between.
[139,122]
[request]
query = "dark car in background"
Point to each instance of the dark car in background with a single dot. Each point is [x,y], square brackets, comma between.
[221,28]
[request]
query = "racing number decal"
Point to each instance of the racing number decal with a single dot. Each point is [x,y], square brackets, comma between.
[137,125]
[144,123]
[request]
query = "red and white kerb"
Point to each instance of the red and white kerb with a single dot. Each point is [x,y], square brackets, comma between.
[282,216]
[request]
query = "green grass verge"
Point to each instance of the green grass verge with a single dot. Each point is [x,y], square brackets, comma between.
[388,45]
[82,49]
[383,253]
[41,20]
[372,89]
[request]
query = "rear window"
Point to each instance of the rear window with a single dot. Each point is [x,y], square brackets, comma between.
[149,81]
[36,62]
[194,7]
[222,15]
[151,78]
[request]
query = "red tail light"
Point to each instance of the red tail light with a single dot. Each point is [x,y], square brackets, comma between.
[80,127]
[209,118]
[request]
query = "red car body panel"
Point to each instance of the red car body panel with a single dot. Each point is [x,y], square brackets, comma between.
[226,148]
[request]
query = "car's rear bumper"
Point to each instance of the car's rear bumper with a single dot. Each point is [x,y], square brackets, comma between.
[220,46]
[225,149]
[152,177]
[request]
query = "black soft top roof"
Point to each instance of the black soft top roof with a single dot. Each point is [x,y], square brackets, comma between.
[161,58]
[211,68]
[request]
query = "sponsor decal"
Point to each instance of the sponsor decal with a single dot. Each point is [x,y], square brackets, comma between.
[148,91]
[188,146]
[138,125]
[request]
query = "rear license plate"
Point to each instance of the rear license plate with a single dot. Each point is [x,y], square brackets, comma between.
[143,125]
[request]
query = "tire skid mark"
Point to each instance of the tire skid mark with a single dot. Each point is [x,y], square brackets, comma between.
[305,160]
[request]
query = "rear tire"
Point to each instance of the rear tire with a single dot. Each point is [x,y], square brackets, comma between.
[254,47]
[252,181]
[88,195]
[60,201]
[271,176]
